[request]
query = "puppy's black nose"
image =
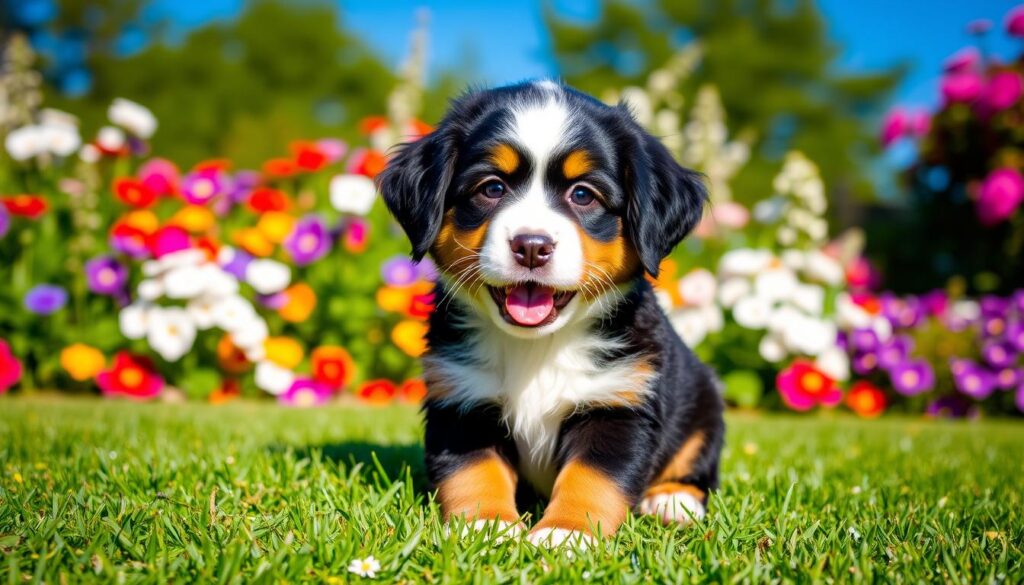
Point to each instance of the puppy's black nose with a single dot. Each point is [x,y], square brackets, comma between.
[532,250]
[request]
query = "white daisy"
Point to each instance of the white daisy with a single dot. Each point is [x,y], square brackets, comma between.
[250,334]
[272,378]
[150,289]
[698,288]
[60,139]
[823,268]
[133,320]
[777,284]
[752,312]
[111,139]
[267,276]
[133,117]
[232,312]
[772,349]
[835,363]
[25,142]
[185,282]
[809,297]
[201,311]
[732,290]
[367,567]
[744,262]
[690,325]
[171,332]
[353,194]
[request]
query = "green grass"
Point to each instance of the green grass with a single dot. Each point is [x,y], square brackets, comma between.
[255,493]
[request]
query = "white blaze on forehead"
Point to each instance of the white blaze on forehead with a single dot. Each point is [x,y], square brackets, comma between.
[540,129]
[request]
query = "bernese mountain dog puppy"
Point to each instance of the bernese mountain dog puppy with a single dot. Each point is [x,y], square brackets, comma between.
[551,368]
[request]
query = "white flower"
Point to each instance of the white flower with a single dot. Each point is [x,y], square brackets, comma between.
[201,311]
[664,300]
[690,325]
[151,289]
[732,290]
[834,363]
[850,315]
[713,318]
[818,229]
[185,282]
[60,139]
[367,567]
[231,313]
[752,312]
[220,283]
[744,262]
[782,317]
[267,276]
[353,194]
[272,378]
[25,142]
[111,139]
[134,320]
[793,259]
[171,332]
[775,285]
[807,335]
[823,268]
[697,288]
[251,334]
[966,310]
[882,328]
[181,258]
[133,117]
[809,297]
[786,235]
[89,154]
[771,348]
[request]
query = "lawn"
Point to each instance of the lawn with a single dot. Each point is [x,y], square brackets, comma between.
[256,493]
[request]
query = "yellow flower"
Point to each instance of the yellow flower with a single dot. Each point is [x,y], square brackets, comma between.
[299,304]
[410,337]
[194,218]
[143,220]
[394,299]
[254,242]
[283,351]
[276,226]
[82,362]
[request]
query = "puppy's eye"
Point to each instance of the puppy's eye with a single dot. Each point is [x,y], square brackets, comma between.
[493,189]
[582,196]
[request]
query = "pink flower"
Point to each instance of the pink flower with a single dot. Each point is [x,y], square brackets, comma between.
[1003,90]
[1015,22]
[965,59]
[1001,194]
[894,126]
[160,176]
[802,387]
[962,86]
[168,240]
[919,123]
[10,368]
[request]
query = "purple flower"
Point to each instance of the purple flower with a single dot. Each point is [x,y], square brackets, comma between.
[426,269]
[864,363]
[309,241]
[973,380]
[998,354]
[993,306]
[399,271]
[965,59]
[912,377]
[235,261]
[274,301]
[895,351]
[5,221]
[1015,335]
[201,186]
[935,303]
[951,406]
[993,327]
[105,275]
[305,392]
[1008,378]
[242,185]
[1020,398]
[46,299]
[864,340]
[1018,301]
[1001,194]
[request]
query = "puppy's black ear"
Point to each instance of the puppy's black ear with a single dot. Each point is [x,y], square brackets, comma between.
[414,185]
[665,202]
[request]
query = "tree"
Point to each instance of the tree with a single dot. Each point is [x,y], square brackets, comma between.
[773,65]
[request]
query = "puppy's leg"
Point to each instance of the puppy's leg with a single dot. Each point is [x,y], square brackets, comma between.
[672,501]
[680,492]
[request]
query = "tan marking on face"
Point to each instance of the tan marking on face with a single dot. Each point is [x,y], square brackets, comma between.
[577,164]
[484,489]
[585,499]
[505,158]
[672,487]
[681,464]
[457,251]
[606,263]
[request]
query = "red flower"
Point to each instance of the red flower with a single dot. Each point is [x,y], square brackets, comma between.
[420,306]
[280,167]
[10,368]
[367,162]
[30,206]
[308,157]
[263,199]
[413,390]
[378,391]
[866,399]
[132,376]
[803,386]
[332,366]
[213,164]
[134,192]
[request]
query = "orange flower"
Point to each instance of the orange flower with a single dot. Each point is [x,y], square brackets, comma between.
[229,390]
[213,164]
[413,390]
[410,337]
[209,246]
[280,167]
[82,362]
[332,366]
[371,124]
[300,300]
[276,226]
[866,399]
[231,359]
[143,220]
[263,199]
[254,242]
[283,351]
[394,299]
[194,218]
[133,192]
[377,391]
[374,163]
[667,282]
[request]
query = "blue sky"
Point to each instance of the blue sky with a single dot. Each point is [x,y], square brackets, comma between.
[502,42]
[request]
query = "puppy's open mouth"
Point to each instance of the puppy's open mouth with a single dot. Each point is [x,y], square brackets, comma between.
[530,304]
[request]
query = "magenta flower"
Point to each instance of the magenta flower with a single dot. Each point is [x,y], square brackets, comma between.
[998,354]
[1015,335]
[966,59]
[919,123]
[1001,194]
[168,240]
[46,299]
[105,275]
[973,380]
[10,368]
[399,271]
[305,392]
[893,352]
[912,377]
[962,87]
[1008,378]
[935,302]
[894,126]
[1015,22]
[201,186]
[309,241]
[161,176]
[1003,90]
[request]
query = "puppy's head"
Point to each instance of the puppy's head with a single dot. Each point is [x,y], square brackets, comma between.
[536,201]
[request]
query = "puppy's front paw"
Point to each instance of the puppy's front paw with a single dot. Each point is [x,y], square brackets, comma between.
[676,506]
[500,530]
[556,537]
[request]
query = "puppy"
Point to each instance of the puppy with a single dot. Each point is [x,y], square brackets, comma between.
[551,368]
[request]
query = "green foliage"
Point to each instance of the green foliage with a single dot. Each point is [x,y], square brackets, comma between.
[247,492]
[773,65]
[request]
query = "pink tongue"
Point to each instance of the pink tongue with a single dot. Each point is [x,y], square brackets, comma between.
[530,305]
